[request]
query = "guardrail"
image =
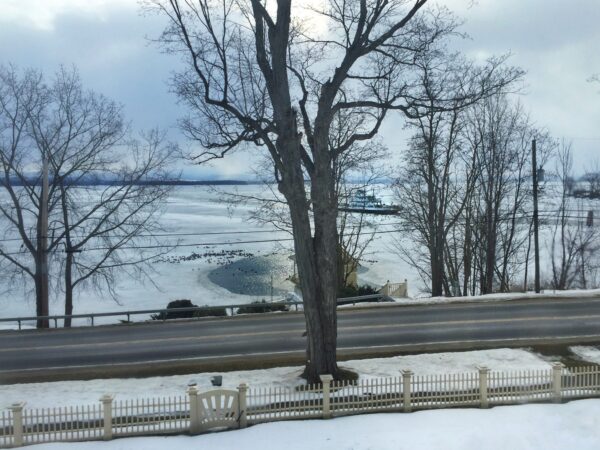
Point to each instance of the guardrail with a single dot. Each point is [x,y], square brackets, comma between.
[376,298]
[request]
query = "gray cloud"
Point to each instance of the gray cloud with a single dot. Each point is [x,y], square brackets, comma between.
[556,41]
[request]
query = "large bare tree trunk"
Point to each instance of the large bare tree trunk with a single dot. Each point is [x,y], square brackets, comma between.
[326,253]
[318,282]
[41,276]
[487,282]
[317,261]
[467,255]
[437,263]
[68,287]
[41,290]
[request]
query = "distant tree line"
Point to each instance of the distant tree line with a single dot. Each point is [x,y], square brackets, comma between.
[100,180]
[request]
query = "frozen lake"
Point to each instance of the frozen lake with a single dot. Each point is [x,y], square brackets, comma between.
[224,258]
[215,263]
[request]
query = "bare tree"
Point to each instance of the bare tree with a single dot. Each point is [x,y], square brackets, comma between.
[563,264]
[119,219]
[573,247]
[588,262]
[465,191]
[358,170]
[500,133]
[58,140]
[592,178]
[27,204]
[439,173]
[254,77]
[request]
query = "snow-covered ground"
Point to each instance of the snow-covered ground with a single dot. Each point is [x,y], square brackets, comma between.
[587,353]
[88,392]
[575,425]
[573,293]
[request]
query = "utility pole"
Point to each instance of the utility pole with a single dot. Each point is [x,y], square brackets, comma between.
[43,246]
[536,223]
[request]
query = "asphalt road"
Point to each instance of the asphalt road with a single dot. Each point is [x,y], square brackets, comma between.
[263,340]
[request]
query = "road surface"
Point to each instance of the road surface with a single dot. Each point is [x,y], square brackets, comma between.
[263,340]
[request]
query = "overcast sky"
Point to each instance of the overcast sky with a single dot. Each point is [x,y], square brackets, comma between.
[556,41]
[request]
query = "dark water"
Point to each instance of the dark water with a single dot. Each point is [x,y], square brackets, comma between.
[252,276]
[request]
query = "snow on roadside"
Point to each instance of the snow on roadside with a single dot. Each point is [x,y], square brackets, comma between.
[587,353]
[14,326]
[52,394]
[502,359]
[547,294]
[575,294]
[525,427]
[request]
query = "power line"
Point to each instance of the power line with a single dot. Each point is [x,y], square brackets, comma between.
[197,244]
[165,234]
[401,227]
[522,215]
[507,217]
[208,233]
[404,228]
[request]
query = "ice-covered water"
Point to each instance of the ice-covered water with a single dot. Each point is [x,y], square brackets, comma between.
[224,259]
[255,275]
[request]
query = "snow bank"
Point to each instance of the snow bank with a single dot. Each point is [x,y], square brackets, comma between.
[15,326]
[44,395]
[591,354]
[547,294]
[573,425]
[502,359]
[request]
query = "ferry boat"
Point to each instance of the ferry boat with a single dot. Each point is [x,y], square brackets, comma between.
[361,202]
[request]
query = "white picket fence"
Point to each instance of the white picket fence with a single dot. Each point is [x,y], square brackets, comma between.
[399,290]
[198,411]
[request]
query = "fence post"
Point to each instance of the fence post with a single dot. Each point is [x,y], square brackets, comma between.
[243,403]
[17,417]
[557,381]
[406,382]
[386,288]
[107,415]
[326,380]
[195,426]
[483,386]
